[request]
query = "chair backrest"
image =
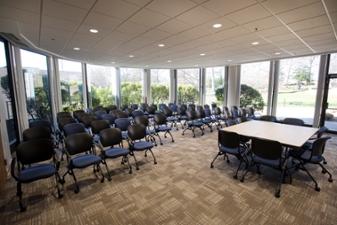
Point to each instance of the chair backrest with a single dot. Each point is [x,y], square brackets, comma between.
[321,131]
[200,112]
[318,146]
[98,125]
[122,123]
[160,119]
[167,111]
[268,118]
[191,114]
[142,120]
[173,107]
[128,112]
[235,111]
[34,151]
[226,111]
[73,128]
[267,149]
[134,106]
[78,113]
[78,143]
[151,109]
[136,132]
[87,120]
[137,113]
[228,139]
[217,111]
[100,113]
[63,114]
[207,110]
[182,110]
[250,112]
[110,137]
[191,107]
[64,121]
[111,107]
[293,121]
[41,123]
[162,106]
[143,106]
[110,118]
[36,133]
[213,105]
[242,112]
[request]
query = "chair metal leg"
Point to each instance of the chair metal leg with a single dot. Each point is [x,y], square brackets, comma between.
[326,171]
[57,179]
[171,136]
[107,169]
[77,188]
[219,153]
[19,194]
[134,157]
[244,175]
[317,188]
[128,162]
[101,172]
[154,158]
[237,170]
[160,141]
[193,132]
[279,186]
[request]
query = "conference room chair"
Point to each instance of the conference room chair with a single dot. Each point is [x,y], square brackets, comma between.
[242,115]
[63,114]
[171,119]
[41,123]
[110,108]
[229,144]
[250,113]
[268,118]
[201,115]
[138,142]
[143,106]
[192,123]
[210,116]
[161,126]
[123,124]
[136,113]
[150,131]
[78,113]
[268,153]
[73,128]
[80,155]
[151,110]
[219,116]
[181,115]
[134,107]
[35,160]
[100,113]
[293,121]
[97,126]
[313,155]
[36,133]
[110,118]
[110,143]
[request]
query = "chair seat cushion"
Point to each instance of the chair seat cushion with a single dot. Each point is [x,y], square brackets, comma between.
[142,145]
[163,128]
[171,119]
[196,123]
[268,162]
[84,160]
[150,132]
[36,172]
[233,151]
[115,152]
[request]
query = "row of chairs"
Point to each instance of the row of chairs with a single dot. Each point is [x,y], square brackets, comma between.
[272,154]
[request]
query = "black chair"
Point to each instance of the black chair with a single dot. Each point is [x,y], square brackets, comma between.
[250,113]
[219,117]
[73,128]
[150,131]
[201,115]
[108,139]
[181,114]
[80,155]
[209,115]
[63,114]
[151,110]
[137,113]
[110,118]
[41,123]
[242,115]
[314,155]
[64,121]
[97,126]
[268,153]
[229,119]
[229,144]
[171,119]
[123,124]
[268,118]
[78,113]
[137,134]
[160,125]
[29,157]
[293,121]
[36,133]
[193,123]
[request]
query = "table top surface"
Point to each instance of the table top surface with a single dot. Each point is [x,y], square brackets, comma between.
[288,135]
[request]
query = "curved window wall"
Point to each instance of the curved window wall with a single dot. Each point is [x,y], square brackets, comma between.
[160,86]
[188,86]
[214,85]
[131,86]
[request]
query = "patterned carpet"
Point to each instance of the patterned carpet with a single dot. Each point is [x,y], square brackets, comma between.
[180,189]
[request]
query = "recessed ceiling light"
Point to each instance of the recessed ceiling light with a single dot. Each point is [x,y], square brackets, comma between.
[113,62]
[196,65]
[202,54]
[93,31]
[229,60]
[146,65]
[76,49]
[277,53]
[217,25]
[131,56]
[161,45]
[255,43]
[169,61]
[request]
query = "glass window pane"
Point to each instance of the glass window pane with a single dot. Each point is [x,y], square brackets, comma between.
[333,63]
[7,103]
[160,85]
[188,86]
[297,88]
[254,86]
[71,85]
[131,86]
[214,85]
[101,85]
[37,85]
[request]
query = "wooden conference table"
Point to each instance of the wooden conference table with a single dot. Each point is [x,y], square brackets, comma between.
[287,135]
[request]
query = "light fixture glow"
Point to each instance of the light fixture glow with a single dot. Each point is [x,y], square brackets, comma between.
[217,25]
[113,62]
[277,53]
[93,31]
[202,54]
[255,43]
[76,49]
[229,60]
[161,45]
[196,65]
[169,61]
[131,56]
[146,65]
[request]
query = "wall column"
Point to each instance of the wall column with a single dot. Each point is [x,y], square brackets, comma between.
[233,98]
[147,86]
[202,86]
[173,85]
[118,87]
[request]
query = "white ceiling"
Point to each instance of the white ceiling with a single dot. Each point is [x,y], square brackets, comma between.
[136,27]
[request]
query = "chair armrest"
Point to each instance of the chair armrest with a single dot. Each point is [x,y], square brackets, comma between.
[13,163]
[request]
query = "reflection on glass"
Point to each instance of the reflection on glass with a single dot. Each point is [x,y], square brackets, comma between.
[5,96]
[36,84]
[333,64]
[331,112]
[188,86]
[131,86]
[71,85]
[297,88]
[214,85]
[160,85]
[101,85]
[254,86]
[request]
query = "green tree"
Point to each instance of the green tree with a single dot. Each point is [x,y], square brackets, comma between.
[302,75]
[160,93]
[188,94]
[5,86]
[248,97]
[131,93]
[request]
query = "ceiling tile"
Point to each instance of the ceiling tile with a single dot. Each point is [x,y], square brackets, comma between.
[116,8]
[58,23]
[197,16]
[315,30]
[31,6]
[331,5]
[309,23]
[100,21]
[156,35]
[132,28]
[83,4]
[140,3]
[248,14]
[223,7]
[263,24]
[70,13]
[19,15]
[149,18]
[171,8]
[174,26]
[278,6]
